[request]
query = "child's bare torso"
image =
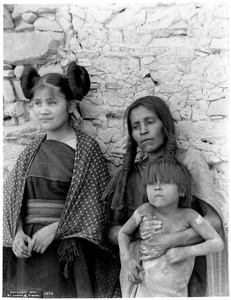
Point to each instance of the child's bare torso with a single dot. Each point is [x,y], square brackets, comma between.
[162,278]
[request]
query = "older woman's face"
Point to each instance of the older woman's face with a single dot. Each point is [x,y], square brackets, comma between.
[147,129]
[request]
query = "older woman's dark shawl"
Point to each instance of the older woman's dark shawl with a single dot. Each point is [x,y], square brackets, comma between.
[84,214]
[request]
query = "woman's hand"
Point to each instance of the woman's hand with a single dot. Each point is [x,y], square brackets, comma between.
[155,246]
[43,238]
[134,268]
[20,245]
[154,243]
[148,226]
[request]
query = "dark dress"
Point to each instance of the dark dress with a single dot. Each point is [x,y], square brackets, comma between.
[41,275]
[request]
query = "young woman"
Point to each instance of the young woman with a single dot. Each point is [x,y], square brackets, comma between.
[54,219]
[168,187]
[151,128]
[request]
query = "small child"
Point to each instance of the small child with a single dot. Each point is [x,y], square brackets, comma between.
[169,195]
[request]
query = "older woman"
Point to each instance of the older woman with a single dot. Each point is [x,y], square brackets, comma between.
[54,220]
[151,128]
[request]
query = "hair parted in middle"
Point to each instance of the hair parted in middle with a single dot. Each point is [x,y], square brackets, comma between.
[160,108]
[168,169]
[75,85]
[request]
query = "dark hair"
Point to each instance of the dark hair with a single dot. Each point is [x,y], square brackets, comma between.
[74,86]
[160,108]
[168,169]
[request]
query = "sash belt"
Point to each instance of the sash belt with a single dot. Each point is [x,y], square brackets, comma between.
[43,210]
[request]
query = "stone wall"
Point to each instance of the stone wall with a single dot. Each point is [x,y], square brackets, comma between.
[178,51]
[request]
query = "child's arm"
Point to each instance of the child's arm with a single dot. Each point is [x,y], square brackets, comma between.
[213,242]
[124,234]
[124,245]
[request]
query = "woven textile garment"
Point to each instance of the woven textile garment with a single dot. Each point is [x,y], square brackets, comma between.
[84,214]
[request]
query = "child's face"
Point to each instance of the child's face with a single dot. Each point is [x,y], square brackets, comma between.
[163,194]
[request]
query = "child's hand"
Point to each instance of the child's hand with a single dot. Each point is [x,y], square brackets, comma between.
[175,255]
[134,269]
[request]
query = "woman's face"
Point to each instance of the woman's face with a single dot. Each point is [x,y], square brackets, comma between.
[50,108]
[147,129]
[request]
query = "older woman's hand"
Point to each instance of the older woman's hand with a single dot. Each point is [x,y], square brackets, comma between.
[148,226]
[155,246]
[154,243]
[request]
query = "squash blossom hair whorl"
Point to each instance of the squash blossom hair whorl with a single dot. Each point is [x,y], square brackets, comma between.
[75,86]
[168,169]
[160,108]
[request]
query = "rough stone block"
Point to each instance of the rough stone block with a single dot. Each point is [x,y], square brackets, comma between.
[210,130]
[102,145]
[18,90]
[173,42]
[20,9]
[49,15]
[15,109]
[115,36]
[89,110]
[10,154]
[22,120]
[64,23]
[44,24]
[8,92]
[216,72]
[186,112]
[9,7]
[7,67]
[113,99]
[212,94]
[7,20]
[105,136]
[29,17]
[219,44]
[101,16]
[222,11]
[176,103]
[88,128]
[8,73]
[23,26]
[18,70]
[11,122]
[218,107]
[54,68]
[163,17]
[77,23]
[219,28]
[74,44]
[77,11]
[119,148]
[122,19]
[31,47]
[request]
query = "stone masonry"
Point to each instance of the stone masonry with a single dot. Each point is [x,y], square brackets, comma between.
[178,51]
